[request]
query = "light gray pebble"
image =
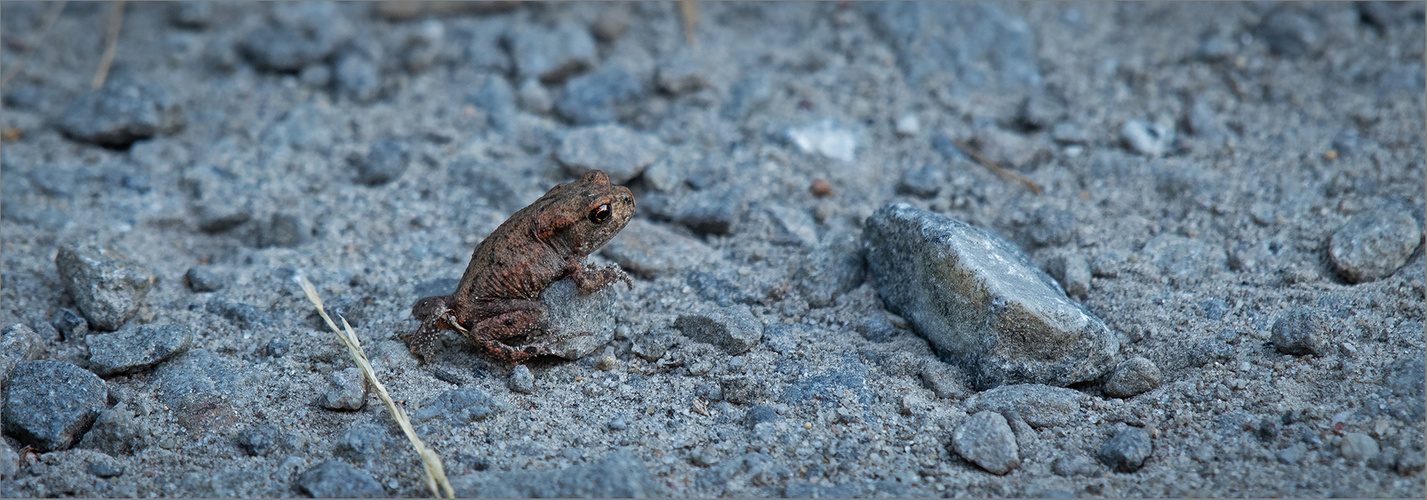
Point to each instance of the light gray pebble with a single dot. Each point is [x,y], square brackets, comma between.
[651,250]
[1147,138]
[533,97]
[942,379]
[618,151]
[1374,244]
[1127,450]
[521,380]
[1358,447]
[1186,261]
[618,424]
[1039,405]
[49,404]
[385,162]
[423,45]
[205,279]
[316,75]
[1073,465]
[1073,273]
[923,182]
[1068,133]
[1005,148]
[732,329]
[1292,455]
[1132,377]
[986,440]
[459,406]
[136,347]
[652,345]
[1106,265]
[105,466]
[121,112]
[1300,332]
[338,479]
[551,54]
[346,390]
[908,125]
[106,285]
[18,342]
[587,320]
[9,462]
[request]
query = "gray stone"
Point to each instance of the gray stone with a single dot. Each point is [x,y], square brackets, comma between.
[942,379]
[791,226]
[1073,273]
[1300,332]
[366,445]
[1052,226]
[585,323]
[1004,148]
[759,414]
[1374,244]
[741,389]
[908,125]
[357,77]
[191,15]
[710,211]
[1292,455]
[1072,466]
[1410,461]
[459,406]
[650,250]
[1289,33]
[205,279]
[1384,15]
[106,285]
[1039,405]
[296,35]
[496,98]
[733,329]
[1204,123]
[49,404]
[1406,378]
[115,432]
[136,347]
[1147,138]
[550,54]
[1359,447]
[385,162]
[105,466]
[1127,450]
[261,440]
[121,112]
[1186,261]
[923,182]
[423,45]
[244,315]
[986,440]
[653,345]
[1132,377]
[620,152]
[9,462]
[617,475]
[18,342]
[346,390]
[602,96]
[338,479]
[521,380]
[533,97]
[70,324]
[831,270]
[979,300]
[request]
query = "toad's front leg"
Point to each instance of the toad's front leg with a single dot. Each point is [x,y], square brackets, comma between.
[591,280]
[435,315]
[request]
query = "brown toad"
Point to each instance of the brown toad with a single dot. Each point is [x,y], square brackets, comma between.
[498,297]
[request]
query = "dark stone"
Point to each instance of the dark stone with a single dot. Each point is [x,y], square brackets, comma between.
[106,285]
[1300,332]
[49,404]
[283,230]
[981,302]
[338,479]
[385,162]
[459,406]
[759,414]
[261,440]
[1289,33]
[1215,309]
[923,182]
[297,34]
[205,279]
[602,96]
[243,315]
[121,112]
[1127,450]
[191,15]
[70,324]
[734,329]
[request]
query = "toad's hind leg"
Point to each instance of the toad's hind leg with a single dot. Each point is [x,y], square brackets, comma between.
[505,319]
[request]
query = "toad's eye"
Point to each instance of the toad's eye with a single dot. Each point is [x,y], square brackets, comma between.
[600,214]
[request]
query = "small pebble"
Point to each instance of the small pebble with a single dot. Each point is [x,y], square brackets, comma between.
[1374,244]
[521,380]
[204,279]
[1358,447]
[1127,450]
[1300,332]
[533,97]
[909,125]
[338,479]
[1132,377]
[923,182]
[820,188]
[386,161]
[986,440]
[70,324]
[346,391]
[1073,273]
[1146,138]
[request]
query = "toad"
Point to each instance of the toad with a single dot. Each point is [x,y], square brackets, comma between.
[498,298]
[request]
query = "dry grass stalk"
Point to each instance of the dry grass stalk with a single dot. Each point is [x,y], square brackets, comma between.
[435,473]
[689,13]
[111,45]
[1000,171]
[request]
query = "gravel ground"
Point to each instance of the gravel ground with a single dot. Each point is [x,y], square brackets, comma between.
[1218,290]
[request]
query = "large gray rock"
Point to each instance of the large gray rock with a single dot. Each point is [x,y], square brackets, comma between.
[136,348]
[981,302]
[583,322]
[618,475]
[49,404]
[1373,244]
[106,285]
